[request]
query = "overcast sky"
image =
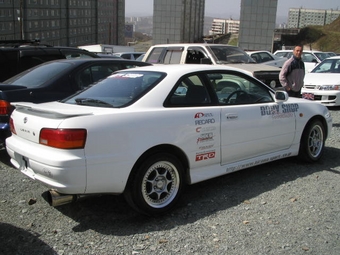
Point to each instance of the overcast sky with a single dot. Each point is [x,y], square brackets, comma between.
[231,8]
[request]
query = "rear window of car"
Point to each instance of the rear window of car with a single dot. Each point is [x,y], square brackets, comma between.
[38,76]
[118,90]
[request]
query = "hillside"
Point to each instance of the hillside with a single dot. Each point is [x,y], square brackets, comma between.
[331,39]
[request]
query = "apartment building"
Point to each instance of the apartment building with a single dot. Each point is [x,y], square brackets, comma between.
[300,17]
[63,22]
[224,26]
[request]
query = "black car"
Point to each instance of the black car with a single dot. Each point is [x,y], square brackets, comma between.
[53,81]
[19,55]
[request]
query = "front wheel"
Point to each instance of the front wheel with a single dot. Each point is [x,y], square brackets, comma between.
[156,185]
[312,141]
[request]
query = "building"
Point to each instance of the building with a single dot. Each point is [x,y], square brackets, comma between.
[224,26]
[178,21]
[257,24]
[63,22]
[300,17]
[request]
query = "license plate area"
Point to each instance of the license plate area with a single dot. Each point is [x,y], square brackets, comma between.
[308,96]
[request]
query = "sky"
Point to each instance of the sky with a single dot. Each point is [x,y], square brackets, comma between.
[231,8]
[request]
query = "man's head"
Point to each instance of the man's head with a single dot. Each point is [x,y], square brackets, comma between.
[297,52]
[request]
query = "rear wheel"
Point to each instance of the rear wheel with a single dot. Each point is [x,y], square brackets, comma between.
[312,141]
[156,185]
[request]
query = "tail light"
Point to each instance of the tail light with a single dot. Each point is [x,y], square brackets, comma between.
[63,138]
[5,108]
[11,126]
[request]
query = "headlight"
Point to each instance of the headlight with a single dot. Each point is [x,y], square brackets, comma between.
[328,87]
[273,84]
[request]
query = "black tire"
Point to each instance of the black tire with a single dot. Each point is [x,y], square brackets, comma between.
[156,185]
[312,142]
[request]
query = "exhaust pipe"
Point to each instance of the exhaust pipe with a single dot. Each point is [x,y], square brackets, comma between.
[54,198]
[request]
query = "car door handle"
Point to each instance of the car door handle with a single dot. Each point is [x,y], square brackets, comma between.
[231,116]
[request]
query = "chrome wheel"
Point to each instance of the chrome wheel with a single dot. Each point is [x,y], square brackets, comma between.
[316,140]
[160,184]
[155,186]
[312,141]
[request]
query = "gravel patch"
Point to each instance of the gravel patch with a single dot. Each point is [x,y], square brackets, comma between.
[283,207]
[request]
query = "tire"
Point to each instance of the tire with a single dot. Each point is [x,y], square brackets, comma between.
[156,185]
[312,142]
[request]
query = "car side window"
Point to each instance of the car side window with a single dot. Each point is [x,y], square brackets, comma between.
[173,57]
[235,89]
[194,56]
[94,73]
[308,57]
[154,56]
[190,91]
[71,54]
[265,57]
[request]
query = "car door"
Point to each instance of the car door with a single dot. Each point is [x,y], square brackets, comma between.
[252,123]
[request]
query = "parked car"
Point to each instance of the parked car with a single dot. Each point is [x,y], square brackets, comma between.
[149,131]
[128,55]
[267,58]
[310,58]
[19,55]
[322,84]
[331,54]
[140,58]
[214,54]
[54,80]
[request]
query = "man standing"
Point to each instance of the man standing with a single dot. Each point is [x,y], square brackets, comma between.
[293,73]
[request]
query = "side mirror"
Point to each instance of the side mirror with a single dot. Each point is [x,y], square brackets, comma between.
[281,95]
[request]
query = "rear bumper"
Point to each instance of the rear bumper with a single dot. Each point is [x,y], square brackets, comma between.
[59,170]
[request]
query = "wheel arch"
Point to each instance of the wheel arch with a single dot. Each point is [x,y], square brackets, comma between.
[165,148]
[320,118]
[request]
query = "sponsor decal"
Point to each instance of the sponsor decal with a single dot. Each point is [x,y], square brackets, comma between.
[204,122]
[206,137]
[205,155]
[205,129]
[200,115]
[205,147]
[277,111]
[257,162]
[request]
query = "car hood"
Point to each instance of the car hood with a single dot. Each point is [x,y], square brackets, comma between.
[256,67]
[322,79]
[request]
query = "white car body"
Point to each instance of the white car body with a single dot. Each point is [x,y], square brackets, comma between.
[267,58]
[310,58]
[322,84]
[212,140]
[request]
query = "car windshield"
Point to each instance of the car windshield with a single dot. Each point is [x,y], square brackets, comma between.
[229,54]
[321,55]
[118,90]
[38,76]
[328,66]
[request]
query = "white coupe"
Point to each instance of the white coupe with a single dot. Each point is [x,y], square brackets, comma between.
[322,84]
[147,132]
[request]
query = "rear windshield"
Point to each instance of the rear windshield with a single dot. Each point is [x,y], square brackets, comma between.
[38,76]
[118,90]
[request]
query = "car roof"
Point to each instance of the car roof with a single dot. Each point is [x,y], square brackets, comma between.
[86,60]
[192,44]
[187,68]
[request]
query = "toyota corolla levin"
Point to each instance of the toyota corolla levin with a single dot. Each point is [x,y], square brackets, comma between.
[147,132]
